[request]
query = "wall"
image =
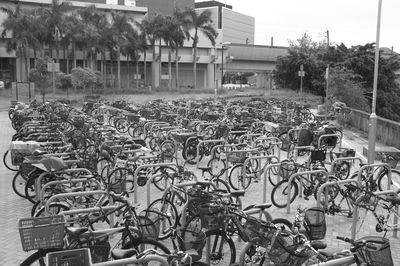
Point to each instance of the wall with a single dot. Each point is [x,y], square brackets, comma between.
[387,130]
[237,27]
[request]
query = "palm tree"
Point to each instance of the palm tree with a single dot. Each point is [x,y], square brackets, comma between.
[54,18]
[120,26]
[130,48]
[174,37]
[18,23]
[198,22]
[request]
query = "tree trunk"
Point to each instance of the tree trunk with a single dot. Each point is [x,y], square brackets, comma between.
[160,64]
[84,58]
[67,58]
[103,69]
[112,74]
[127,69]
[73,54]
[137,73]
[169,70]
[153,64]
[119,68]
[145,67]
[194,67]
[177,68]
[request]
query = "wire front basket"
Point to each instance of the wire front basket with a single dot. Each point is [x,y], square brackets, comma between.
[42,232]
[212,216]
[259,232]
[191,238]
[286,169]
[149,224]
[285,251]
[315,223]
[380,256]
[73,257]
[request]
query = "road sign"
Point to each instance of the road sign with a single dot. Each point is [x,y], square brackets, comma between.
[53,67]
[301,73]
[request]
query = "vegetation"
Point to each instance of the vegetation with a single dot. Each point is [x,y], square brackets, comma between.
[60,28]
[350,75]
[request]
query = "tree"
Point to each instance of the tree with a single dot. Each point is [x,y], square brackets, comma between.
[193,23]
[174,38]
[40,76]
[130,49]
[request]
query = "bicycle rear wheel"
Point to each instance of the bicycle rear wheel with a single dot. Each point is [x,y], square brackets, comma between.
[383,180]
[170,220]
[7,162]
[280,191]
[222,249]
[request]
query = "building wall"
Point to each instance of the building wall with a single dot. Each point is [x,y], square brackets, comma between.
[165,7]
[237,27]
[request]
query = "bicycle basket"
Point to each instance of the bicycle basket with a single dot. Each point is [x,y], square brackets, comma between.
[318,155]
[149,224]
[286,169]
[315,223]
[42,232]
[133,118]
[285,251]
[73,257]
[100,250]
[258,231]
[197,192]
[381,256]
[212,216]
[191,238]
[236,158]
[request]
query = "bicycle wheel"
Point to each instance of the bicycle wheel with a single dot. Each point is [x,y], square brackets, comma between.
[236,177]
[164,223]
[39,257]
[222,248]
[280,191]
[282,223]
[253,254]
[141,244]
[19,183]
[342,170]
[7,162]
[221,185]
[138,132]
[217,167]
[332,191]
[168,148]
[191,151]
[162,175]
[122,125]
[383,180]
[120,180]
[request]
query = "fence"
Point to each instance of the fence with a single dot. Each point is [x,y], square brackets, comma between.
[387,130]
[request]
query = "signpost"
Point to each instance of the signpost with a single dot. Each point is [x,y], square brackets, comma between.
[301,75]
[53,67]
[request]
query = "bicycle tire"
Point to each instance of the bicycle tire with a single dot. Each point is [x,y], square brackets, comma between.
[235,176]
[138,132]
[332,192]
[159,177]
[39,257]
[221,185]
[342,170]
[19,183]
[168,208]
[139,245]
[122,125]
[191,151]
[276,196]
[7,162]
[168,148]
[218,167]
[121,179]
[382,180]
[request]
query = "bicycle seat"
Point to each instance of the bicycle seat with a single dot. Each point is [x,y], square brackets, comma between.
[238,193]
[119,253]
[318,244]
[38,152]
[76,231]
[263,206]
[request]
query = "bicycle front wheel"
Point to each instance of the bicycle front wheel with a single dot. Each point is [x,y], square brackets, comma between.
[236,177]
[383,180]
[39,257]
[164,223]
[221,250]
[280,191]
[253,254]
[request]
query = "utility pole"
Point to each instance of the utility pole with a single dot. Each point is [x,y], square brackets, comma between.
[327,81]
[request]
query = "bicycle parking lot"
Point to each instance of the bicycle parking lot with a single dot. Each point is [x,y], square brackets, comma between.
[16,208]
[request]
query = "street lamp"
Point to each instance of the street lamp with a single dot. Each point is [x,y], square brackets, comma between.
[223,45]
[373,119]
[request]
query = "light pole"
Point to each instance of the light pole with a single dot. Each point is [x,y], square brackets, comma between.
[373,119]
[223,45]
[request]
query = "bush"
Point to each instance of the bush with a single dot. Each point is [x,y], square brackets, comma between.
[63,81]
[86,79]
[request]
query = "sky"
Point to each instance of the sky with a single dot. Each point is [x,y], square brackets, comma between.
[353,22]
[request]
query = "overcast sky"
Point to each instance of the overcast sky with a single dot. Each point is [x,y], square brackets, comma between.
[352,22]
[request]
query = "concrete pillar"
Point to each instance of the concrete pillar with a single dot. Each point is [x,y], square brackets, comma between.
[210,76]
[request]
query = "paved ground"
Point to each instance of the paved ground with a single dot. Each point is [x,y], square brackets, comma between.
[14,207]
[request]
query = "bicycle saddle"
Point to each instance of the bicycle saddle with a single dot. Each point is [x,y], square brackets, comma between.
[238,193]
[38,152]
[263,206]
[318,244]
[76,231]
[393,198]
[119,253]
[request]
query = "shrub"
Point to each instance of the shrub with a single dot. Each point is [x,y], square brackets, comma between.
[86,79]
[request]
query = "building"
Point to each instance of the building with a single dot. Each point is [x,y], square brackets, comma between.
[232,27]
